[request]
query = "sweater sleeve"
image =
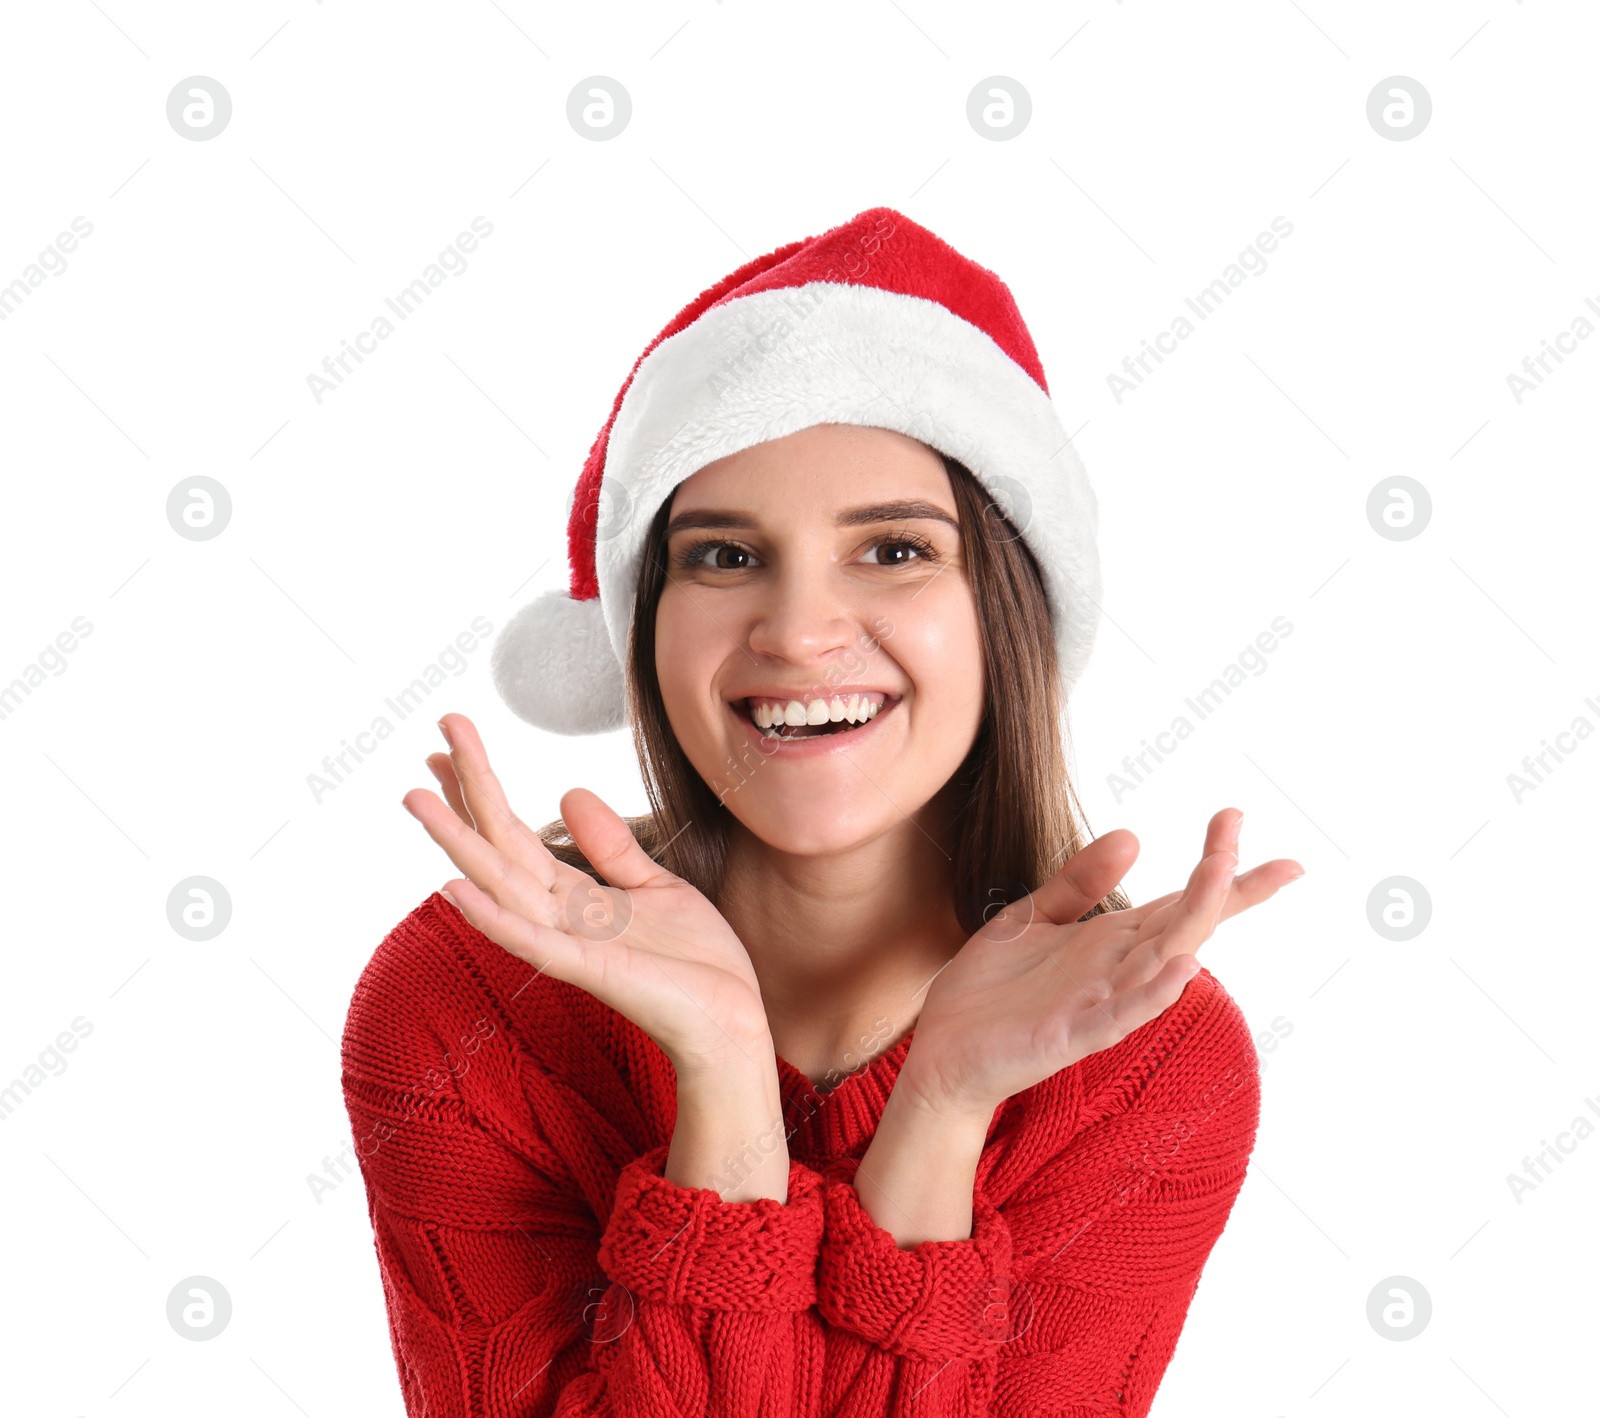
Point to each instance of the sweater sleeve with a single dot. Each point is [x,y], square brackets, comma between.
[507,1297]
[1070,1295]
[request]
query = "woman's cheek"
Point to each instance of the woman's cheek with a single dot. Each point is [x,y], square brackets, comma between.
[942,653]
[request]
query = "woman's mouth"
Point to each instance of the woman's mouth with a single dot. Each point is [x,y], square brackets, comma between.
[835,716]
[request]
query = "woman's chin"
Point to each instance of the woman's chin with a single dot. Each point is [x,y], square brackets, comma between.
[806,829]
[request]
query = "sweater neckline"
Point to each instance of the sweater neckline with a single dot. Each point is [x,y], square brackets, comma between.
[841,1120]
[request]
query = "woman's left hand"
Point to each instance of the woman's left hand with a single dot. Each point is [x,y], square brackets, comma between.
[1036,989]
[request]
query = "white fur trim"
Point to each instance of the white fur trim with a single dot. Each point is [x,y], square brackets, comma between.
[553,665]
[762,366]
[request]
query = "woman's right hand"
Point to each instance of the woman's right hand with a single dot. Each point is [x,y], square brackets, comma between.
[648,944]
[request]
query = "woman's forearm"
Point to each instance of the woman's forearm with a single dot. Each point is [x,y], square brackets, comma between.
[729,1135]
[917,1175]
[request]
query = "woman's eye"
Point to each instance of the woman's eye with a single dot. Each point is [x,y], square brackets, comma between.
[896,549]
[696,556]
[730,556]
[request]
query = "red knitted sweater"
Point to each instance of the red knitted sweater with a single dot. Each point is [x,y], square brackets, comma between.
[512,1131]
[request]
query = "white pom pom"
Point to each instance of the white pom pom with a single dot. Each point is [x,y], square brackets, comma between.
[554,666]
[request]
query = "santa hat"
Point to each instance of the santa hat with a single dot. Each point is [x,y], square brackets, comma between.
[876,322]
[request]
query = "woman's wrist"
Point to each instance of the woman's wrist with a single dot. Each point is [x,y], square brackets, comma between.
[915,1087]
[730,1136]
[917,1176]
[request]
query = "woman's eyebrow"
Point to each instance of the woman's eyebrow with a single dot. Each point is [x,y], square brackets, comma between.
[900,510]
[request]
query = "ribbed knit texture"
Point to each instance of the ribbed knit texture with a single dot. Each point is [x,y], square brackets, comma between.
[512,1132]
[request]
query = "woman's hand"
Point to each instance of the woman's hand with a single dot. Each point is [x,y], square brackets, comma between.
[648,944]
[1036,989]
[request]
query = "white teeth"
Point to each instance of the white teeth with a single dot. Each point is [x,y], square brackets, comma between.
[854,709]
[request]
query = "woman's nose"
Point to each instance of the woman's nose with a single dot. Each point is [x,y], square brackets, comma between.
[802,615]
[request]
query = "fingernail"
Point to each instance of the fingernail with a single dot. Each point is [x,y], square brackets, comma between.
[444,891]
[1238,822]
[446,732]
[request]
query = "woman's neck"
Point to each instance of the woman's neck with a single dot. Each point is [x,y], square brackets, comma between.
[843,946]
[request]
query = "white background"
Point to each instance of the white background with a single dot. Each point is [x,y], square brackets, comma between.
[369,530]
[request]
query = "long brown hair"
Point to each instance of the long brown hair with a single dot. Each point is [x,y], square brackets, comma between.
[1015,816]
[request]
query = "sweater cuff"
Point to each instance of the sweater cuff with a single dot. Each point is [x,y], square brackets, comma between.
[939,1300]
[687,1246]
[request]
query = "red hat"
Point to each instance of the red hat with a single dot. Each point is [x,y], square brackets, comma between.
[876,322]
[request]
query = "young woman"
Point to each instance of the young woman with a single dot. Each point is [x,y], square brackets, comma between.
[846,1082]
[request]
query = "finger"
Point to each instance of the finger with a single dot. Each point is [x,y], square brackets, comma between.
[485,799]
[488,811]
[1143,1003]
[1196,913]
[1139,915]
[443,769]
[1156,915]
[508,881]
[1086,879]
[1222,832]
[553,951]
[608,842]
[1222,835]
[1250,889]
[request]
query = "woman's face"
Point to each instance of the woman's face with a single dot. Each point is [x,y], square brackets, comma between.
[822,570]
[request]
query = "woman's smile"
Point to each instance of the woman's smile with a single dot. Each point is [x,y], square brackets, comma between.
[804,728]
